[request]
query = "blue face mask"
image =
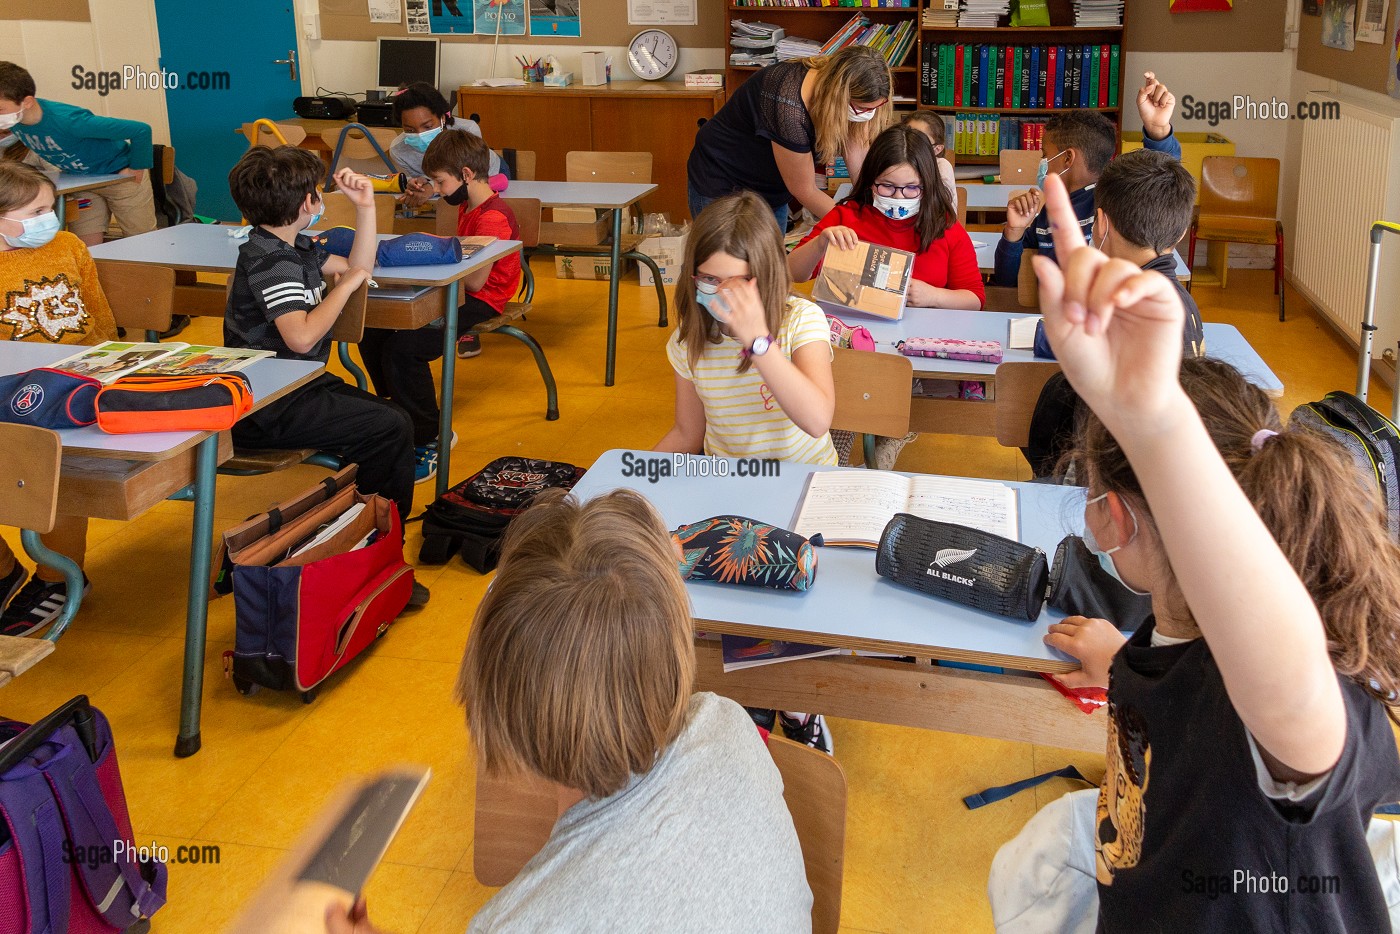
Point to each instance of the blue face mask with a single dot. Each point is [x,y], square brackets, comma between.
[707,297]
[1043,170]
[38,231]
[420,141]
[316,218]
[1106,557]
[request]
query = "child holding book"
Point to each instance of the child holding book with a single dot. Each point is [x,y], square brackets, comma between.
[931,125]
[752,360]
[1248,730]
[424,114]
[49,293]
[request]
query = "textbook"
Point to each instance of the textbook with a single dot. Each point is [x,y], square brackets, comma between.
[330,863]
[870,280]
[852,507]
[111,360]
[1021,332]
[474,245]
[742,652]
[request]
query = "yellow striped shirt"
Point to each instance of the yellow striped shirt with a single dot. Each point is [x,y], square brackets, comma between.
[742,419]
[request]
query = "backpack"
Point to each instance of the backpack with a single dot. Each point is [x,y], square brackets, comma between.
[1372,439]
[174,202]
[471,518]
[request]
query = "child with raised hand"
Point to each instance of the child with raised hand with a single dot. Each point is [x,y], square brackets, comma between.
[1248,737]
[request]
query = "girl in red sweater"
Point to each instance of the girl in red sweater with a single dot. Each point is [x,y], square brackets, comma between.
[899,201]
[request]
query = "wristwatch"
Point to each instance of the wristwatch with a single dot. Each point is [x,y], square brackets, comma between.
[759,347]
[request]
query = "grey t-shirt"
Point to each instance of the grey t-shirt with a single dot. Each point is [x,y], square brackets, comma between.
[703,842]
[410,160]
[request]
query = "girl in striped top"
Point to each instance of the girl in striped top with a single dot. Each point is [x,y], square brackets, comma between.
[752,360]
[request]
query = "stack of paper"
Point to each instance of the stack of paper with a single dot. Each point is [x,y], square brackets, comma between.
[791,47]
[753,44]
[941,13]
[1098,12]
[983,13]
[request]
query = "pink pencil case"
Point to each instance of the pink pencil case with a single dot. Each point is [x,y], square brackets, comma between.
[950,348]
[853,337]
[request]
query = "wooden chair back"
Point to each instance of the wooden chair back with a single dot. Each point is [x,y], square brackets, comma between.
[607,167]
[873,392]
[962,205]
[525,163]
[167,164]
[358,152]
[515,815]
[29,459]
[340,212]
[269,134]
[142,297]
[445,224]
[1234,186]
[1019,166]
[1018,385]
[527,214]
[1027,287]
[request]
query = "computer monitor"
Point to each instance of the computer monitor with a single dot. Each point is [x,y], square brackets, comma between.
[404,61]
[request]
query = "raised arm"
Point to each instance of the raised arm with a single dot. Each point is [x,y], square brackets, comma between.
[1116,331]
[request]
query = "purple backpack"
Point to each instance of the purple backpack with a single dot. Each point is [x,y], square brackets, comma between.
[64,816]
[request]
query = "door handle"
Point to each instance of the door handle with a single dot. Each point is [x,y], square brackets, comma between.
[290,61]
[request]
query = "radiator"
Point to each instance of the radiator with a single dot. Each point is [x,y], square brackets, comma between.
[1349,177]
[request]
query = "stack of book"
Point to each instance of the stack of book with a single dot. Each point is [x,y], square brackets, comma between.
[790,47]
[892,40]
[1015,77]
[753,44]
[1098,13]
[982,134]
[941,14]
[983,14]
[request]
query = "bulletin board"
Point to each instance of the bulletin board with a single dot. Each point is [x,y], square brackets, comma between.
[1252,26]
[1364,67]
[72,11]
[604,23]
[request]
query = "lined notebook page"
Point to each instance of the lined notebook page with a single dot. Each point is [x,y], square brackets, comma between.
[978,504]
[853,507]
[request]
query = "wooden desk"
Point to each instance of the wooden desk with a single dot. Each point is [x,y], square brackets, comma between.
[659,117]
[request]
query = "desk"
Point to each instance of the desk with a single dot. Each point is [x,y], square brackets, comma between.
[851,607]
[985,242]
[990,197]
[272,379]
[68,183]
[209,248]
[612,196]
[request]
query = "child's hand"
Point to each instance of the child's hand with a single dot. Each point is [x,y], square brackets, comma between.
[1115,328]
[923,295]
[1021,210]
[1092,642]
[1155,106]
[358,188]
[354,921]
[352,278]
[746,320]
[843,238]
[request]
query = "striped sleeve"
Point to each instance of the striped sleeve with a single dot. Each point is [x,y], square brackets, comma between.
[278,288]
[804,323]
[680,361]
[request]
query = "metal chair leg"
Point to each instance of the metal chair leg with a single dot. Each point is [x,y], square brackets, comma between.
[72,578]
[867,445]
[1278,269]
[643,259]
[551,391]
[343,351]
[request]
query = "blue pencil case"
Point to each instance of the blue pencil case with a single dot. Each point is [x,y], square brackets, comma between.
[411,249]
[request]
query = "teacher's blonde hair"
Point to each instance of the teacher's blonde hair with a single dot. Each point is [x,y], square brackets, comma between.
[856,73]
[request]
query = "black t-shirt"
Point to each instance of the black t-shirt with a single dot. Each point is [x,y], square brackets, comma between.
[733,151]
[1185,838]
[272,278]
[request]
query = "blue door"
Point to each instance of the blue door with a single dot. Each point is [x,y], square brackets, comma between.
[224,64]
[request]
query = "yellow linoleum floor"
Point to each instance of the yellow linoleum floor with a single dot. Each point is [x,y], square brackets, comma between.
[916,859]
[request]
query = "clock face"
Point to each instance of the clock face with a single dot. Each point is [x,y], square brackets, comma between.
[652,54]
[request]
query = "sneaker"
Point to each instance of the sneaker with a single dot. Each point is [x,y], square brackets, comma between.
[178,323]
[808,729]
[765,717]
[11,583]
[887,450]
[36,605]
[425,463]
[420,595]
[468,345]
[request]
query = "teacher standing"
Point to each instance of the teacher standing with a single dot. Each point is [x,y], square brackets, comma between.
[766,137]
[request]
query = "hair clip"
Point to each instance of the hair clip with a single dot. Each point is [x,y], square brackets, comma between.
[1260,436]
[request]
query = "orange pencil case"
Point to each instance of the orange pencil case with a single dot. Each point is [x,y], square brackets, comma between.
[208,402]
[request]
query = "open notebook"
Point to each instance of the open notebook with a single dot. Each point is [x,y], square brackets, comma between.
[852,507]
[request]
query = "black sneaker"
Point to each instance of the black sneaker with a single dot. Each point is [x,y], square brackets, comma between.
[468,345]
[36,605]
[11,583]
[420,595]
[178,323]
[764,717]
[807,729]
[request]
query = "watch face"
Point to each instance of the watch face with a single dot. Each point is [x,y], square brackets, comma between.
[652,55]
[761,345]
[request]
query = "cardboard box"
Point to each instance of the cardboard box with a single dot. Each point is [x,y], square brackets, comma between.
[585,228]
[668,252]
[586,267]
[1194,148]
[594,70]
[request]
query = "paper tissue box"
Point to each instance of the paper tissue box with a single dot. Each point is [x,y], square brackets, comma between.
[559,79]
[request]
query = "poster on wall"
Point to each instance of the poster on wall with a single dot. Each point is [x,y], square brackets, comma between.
[1370,21]
[417,16]
[450,17]
[1338,24]
[661,12]
[554,18]
[1201,6]
[386,11]
[499,17]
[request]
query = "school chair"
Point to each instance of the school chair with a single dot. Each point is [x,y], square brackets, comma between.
[514,817]
[1019,166]
[962,206]
[340,212]
[362,148]
[142,297]
[1024,294]
[523,165]
[1018,386]
[1239,204]
[29,472]
[263,132]
[873,395]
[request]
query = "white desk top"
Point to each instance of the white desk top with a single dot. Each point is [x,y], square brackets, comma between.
[985,242]
[582,194]
[1223,342]
[68,182]
[209,248]
[990,197]
[271,379]
[849,605]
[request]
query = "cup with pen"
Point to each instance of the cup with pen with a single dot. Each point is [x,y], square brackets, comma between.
[531,71]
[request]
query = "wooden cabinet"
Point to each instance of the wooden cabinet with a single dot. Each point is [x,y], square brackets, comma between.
[628,116]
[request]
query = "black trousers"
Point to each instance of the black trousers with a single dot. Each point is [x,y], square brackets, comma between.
[398,366]
[333,416]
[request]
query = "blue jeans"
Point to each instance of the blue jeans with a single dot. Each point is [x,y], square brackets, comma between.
[698,202]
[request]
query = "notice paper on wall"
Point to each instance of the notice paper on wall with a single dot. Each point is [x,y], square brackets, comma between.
[1370,21]
[385,11]
[661,12]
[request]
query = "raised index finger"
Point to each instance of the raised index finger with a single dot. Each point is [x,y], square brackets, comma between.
[1064,224]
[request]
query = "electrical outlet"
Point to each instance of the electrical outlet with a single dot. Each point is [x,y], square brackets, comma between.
[311,27]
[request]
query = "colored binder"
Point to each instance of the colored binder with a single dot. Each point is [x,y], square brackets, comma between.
[998,54]
[1103,76]
[1031,78]
[1008,66]
[1113,80]
[1017,80]
[1055,95]
[959,81]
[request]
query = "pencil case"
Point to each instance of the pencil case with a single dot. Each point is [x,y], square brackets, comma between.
[47,398]
[1079,586]
[951,348]
[974,568]
[852,337]
[737,550]
[411,249]
[208,402]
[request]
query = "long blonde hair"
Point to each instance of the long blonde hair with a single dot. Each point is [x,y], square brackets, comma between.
[743,226]
[855,73]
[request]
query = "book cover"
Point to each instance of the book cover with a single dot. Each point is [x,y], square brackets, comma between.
[959,79]
[1031,72]
[1103,76]
[974,78]
[999,70]
[1059,55]
[201,359]
[928,74]
[945,75]
[1052,63]
[111,360]
[870,279]
[1042,84]
[988,78]
[1083,75]
[1018,80]
[1113,76]
[474,245]
[742,652]
[1009,68]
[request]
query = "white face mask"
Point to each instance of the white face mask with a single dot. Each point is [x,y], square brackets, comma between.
[7,141]
[1106,557]
[896,209]
[9,120]
[861,116]
[37,231]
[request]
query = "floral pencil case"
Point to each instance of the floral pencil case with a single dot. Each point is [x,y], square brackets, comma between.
[951,348]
